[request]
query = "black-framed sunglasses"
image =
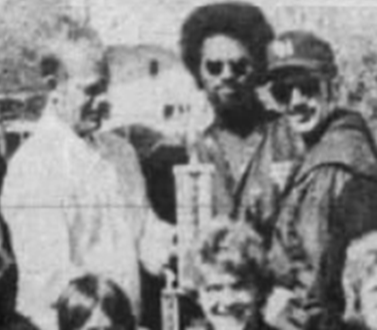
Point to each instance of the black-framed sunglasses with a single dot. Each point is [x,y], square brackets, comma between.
[238,67]
[282,90]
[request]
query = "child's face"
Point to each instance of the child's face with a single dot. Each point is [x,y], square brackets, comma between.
[227,302]
[368,299]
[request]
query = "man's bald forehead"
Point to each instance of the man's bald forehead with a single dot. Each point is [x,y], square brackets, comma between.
[74,51]
[83,60]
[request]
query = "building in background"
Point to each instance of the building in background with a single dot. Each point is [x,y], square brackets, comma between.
[150,85]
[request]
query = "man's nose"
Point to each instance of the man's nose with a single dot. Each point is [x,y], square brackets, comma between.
[98,320]
[296,97]
[103,105]
[227,72]
[102,98]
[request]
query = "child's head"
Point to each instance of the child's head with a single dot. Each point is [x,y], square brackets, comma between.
[360,281]
[230,275]
[94,303]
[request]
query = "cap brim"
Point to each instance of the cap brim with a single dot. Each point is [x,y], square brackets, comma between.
[287,67]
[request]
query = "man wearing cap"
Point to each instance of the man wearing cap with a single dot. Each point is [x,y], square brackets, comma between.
[331,197]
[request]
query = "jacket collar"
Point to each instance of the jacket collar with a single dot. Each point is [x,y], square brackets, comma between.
[345,142]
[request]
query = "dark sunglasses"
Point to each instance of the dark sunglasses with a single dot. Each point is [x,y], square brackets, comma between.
[239,67]
[282,90]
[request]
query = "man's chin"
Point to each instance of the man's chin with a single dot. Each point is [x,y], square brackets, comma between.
[228,102]
[304,127]
[227,323]
[88,127]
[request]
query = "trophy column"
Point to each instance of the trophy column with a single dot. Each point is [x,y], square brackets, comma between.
[194,210]
[193,184]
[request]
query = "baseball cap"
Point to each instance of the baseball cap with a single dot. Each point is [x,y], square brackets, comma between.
[300,50]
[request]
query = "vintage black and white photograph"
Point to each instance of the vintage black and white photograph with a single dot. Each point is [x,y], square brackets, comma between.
[188,165]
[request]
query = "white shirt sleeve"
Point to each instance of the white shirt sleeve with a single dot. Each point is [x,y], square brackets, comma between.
[156,244]
[32,208]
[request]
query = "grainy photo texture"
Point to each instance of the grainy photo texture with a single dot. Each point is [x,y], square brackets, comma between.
[188,165]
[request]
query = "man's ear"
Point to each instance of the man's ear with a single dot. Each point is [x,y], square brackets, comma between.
[50,68]
[334,90]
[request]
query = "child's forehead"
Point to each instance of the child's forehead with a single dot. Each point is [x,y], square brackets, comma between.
[216,274]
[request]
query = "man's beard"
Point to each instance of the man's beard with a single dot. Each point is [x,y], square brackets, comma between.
[242,116]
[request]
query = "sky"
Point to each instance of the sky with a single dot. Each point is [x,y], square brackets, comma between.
[158,21]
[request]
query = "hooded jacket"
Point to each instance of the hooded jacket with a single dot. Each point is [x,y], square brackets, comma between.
[330,201]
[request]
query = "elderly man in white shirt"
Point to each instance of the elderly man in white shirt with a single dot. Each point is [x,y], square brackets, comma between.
[68,210]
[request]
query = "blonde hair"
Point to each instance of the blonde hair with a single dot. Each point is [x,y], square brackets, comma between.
[231,247]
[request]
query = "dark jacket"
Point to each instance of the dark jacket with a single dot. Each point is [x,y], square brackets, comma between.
[14,321]
[331,200]
[251,192]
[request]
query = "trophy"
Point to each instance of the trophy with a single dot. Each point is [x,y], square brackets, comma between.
[170,303]
[193,183]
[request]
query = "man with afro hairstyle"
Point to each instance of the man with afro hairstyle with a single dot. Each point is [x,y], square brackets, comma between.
[224,47]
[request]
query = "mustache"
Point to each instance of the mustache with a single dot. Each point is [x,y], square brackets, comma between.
[300,109]
[228,84]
